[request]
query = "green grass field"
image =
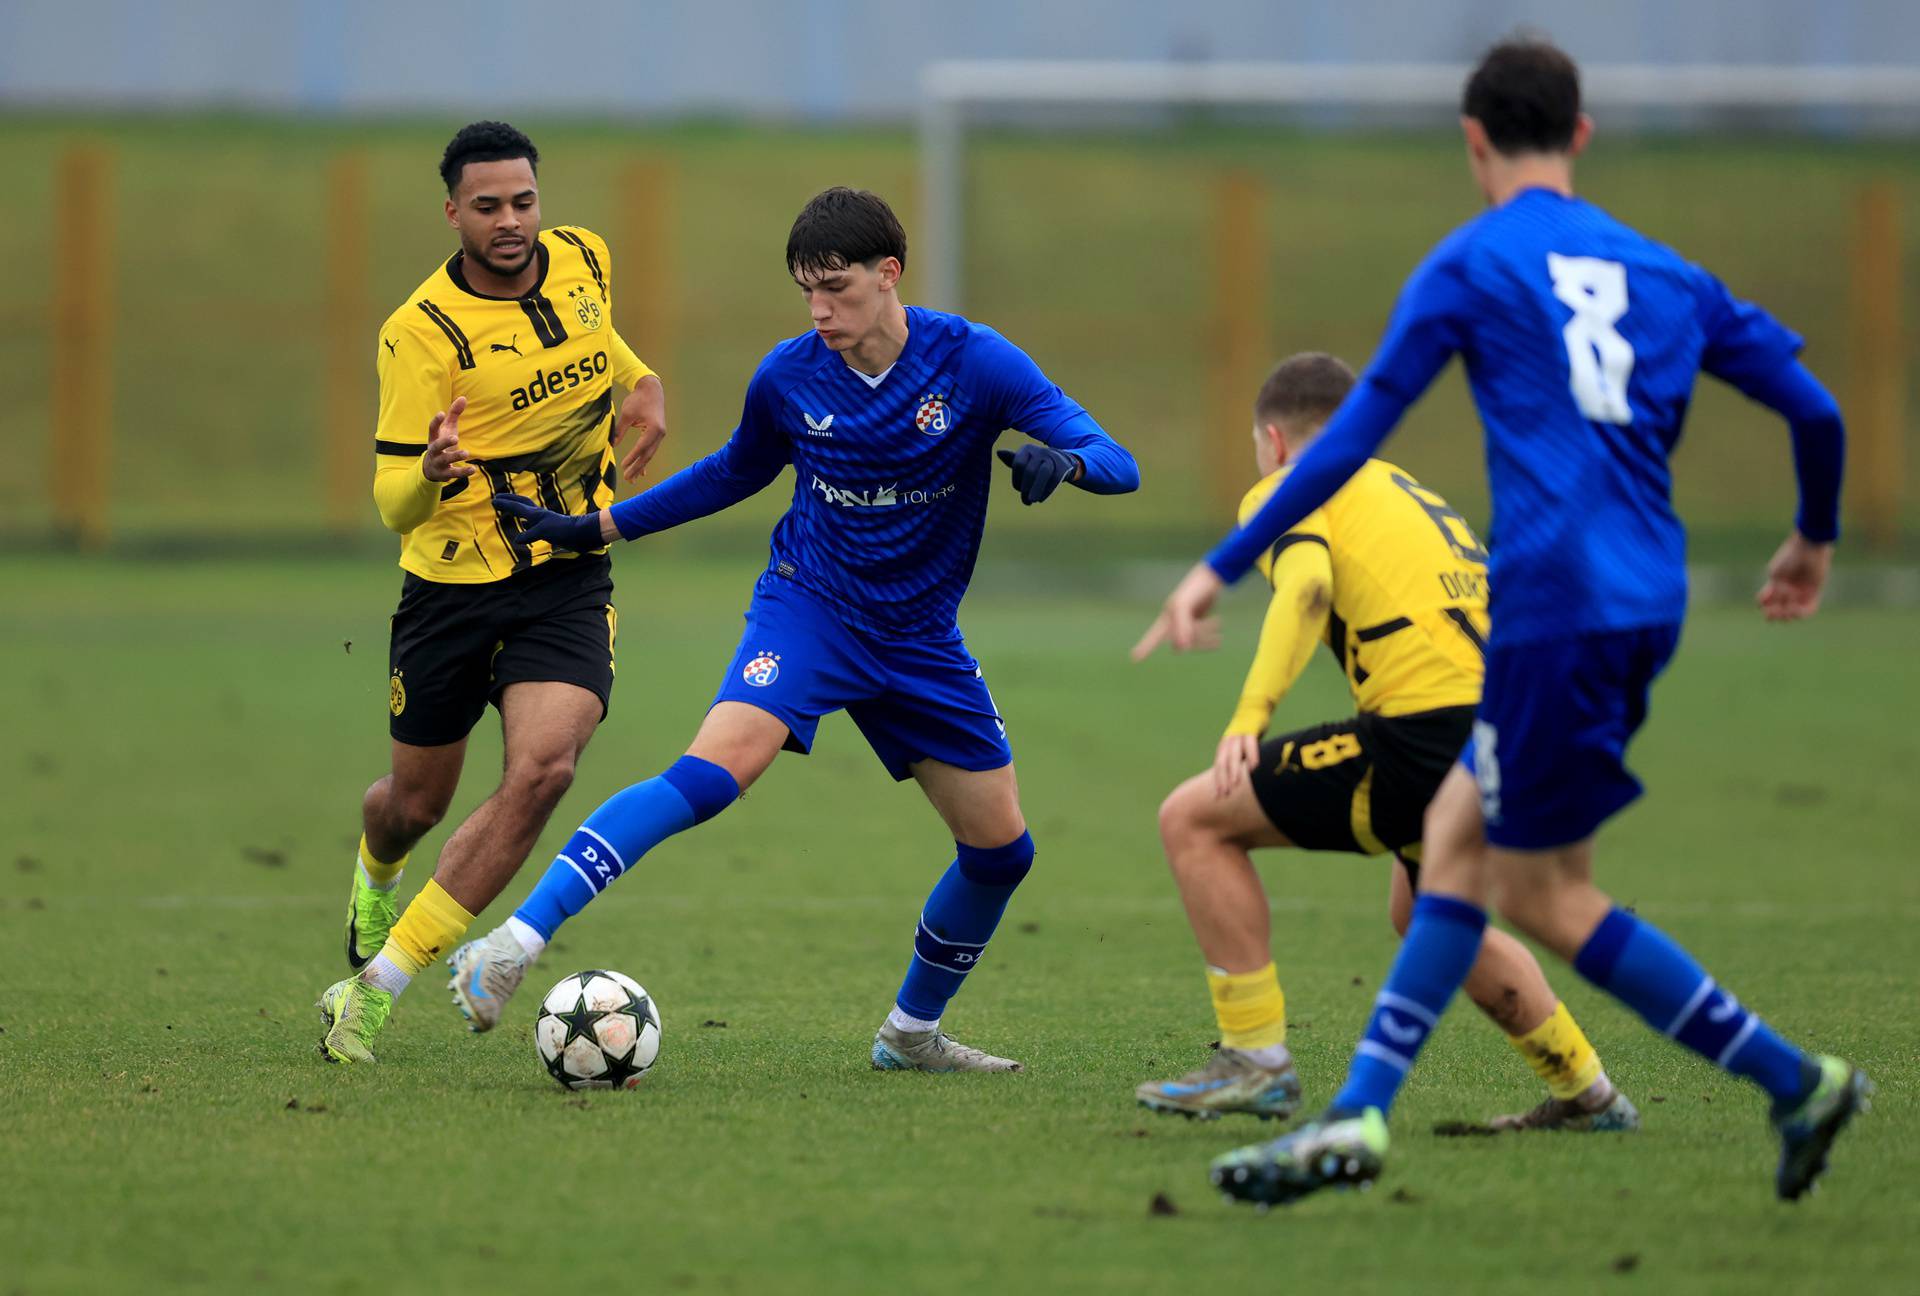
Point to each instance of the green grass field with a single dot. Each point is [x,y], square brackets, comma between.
[187,749]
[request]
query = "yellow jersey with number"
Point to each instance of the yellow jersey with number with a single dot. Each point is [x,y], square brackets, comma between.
[1407,610]
[538,372]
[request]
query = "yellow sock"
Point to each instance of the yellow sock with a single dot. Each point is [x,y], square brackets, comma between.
[428,929]
[380,875]
[1559,1054]
[1249,1007]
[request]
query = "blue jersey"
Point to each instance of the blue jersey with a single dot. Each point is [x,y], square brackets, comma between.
[890,473]
[1581,340]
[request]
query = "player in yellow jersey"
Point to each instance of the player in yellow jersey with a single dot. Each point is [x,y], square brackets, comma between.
[497,377]
[1394,582]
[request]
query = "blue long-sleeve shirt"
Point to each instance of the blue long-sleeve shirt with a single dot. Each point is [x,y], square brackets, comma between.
[1582,340]
[890,475]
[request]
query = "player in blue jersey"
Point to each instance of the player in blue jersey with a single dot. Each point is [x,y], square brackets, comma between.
[1581,340]
[888,416]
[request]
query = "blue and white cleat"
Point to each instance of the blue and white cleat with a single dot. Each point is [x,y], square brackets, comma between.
[1327,1152]
[486,972]
[1808,1131]
[1231,1082]
[898,1050]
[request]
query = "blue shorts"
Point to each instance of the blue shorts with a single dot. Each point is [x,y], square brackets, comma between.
[913,699]
[1550,736]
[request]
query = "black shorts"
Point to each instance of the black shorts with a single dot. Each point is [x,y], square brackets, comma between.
[1361,785]
[455,648]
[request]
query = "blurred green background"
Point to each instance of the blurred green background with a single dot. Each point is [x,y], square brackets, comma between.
[1094,250]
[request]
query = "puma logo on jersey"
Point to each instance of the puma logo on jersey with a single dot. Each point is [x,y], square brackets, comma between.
[511,344]
[389,346]
[817,429]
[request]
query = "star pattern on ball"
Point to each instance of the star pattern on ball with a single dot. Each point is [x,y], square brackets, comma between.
[621,1069]
[642,1010]
[580,1022]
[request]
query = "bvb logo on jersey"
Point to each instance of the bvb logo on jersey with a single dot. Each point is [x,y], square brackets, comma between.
[586,306]
[933,417]
[396,695]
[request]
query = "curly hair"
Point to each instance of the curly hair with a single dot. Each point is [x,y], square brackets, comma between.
[485,141]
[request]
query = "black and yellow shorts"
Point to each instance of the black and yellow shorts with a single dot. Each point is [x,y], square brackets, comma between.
[455,648]
[1359,785]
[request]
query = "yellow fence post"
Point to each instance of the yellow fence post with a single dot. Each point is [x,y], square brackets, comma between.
[1241,336]
[347,404]
[1877,420]
[644,280]
[82,369]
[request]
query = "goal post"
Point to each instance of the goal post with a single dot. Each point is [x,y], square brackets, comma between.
[1688,97]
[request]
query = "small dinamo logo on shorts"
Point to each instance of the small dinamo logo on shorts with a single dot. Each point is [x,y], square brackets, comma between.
[763,670]
[933,417]
[396,695]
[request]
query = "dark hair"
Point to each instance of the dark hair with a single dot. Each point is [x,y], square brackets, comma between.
[485,141]
[1526,92]
[1308,386]
[841,226]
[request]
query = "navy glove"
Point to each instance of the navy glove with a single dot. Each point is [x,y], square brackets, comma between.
[1038,470]
[561,530]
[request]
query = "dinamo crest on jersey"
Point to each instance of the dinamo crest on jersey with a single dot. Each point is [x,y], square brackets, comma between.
[933,417]
[586,306]
[763,670]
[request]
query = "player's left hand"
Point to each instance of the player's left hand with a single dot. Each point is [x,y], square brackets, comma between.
[1039,469]
[1234,762]
[1795,578]
[645,411]
[1183,620]
[561,530]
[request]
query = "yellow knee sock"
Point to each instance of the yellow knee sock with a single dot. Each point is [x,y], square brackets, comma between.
[379,875]
[428,929]
[1249,1007]
[1559,1054]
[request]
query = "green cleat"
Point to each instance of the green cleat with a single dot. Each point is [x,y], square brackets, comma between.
[1230,1082]
[353,1013]
[1327,1151]
[370,916]
[1808,1131]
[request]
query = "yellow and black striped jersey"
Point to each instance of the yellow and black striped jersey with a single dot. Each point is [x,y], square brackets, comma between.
[538,372]
[1406,613]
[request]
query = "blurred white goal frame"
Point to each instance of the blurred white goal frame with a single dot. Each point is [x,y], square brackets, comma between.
[950,89]
[1877,399]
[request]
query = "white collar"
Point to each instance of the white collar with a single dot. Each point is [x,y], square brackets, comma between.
[873,380]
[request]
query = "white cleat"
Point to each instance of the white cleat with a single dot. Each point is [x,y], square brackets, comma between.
[486,972]
[898,1050]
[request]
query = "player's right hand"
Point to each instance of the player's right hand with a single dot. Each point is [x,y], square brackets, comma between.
[444,459]
[1795,579]
[1183,621]
[1233,763]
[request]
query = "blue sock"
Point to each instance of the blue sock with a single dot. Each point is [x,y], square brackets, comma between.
[957,922]
[1640,965]
[1441,944]
[627,825]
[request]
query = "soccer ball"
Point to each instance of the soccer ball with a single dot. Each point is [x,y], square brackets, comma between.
[597,1030]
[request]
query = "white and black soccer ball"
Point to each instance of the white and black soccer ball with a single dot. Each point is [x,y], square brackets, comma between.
[597,1030]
